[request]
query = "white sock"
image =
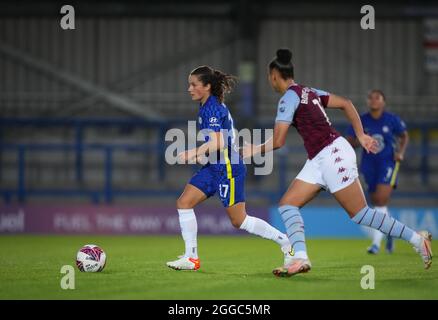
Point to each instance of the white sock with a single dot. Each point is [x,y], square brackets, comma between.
[189,231]
[416,240]
[377,237]
[301,255]
[263,229]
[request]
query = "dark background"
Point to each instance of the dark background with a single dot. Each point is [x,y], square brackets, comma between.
[83,112]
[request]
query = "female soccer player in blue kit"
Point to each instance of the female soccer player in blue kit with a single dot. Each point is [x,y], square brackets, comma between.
[380,169]
[331,164]
[224,174]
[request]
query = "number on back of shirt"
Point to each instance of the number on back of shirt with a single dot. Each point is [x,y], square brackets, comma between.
[318,103]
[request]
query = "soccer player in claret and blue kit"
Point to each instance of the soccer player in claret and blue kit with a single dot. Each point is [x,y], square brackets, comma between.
[380,169]
[331,164]
[223,172]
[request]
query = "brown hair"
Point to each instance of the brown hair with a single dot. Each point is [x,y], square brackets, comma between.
[220,82]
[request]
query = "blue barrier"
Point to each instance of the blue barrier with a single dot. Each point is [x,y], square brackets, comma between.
[78,146]
[333,222]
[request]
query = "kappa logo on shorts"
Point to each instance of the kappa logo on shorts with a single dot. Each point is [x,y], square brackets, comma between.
[341,169]
[335,150]
[338,159]
[345,179]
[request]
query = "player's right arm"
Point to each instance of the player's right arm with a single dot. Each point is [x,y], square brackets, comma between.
[285,113]
[337,102]
[402,137]
[351,137]
[275,142]
[353,141]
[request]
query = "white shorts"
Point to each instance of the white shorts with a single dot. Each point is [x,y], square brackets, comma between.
[333,168]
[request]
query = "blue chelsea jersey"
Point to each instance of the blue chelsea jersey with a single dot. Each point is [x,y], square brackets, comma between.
[215,116]
[385,130]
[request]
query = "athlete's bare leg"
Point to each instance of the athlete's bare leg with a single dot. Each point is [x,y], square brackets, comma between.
[240,219]
[299,193]
[190,197]
[351,198]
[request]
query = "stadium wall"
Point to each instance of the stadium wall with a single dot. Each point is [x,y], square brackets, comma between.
[116,53]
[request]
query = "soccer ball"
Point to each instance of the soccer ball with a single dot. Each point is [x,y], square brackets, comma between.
[91,258]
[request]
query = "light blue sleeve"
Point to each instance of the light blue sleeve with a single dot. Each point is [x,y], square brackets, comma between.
[323,96]
[287,106]
[320,92]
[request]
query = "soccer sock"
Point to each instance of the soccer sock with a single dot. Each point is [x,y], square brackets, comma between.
[377,236]
[263,229]
[295,229]
[189,230]
[386,224]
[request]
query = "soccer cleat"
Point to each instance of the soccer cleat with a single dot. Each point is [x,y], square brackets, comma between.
[373,249]
[296,266]
[288,257]
[425,250]
[389,247]
[185,263]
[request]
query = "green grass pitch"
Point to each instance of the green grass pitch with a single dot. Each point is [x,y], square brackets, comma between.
[233,267]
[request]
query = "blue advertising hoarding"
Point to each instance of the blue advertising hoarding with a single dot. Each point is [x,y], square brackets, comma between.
[333,222]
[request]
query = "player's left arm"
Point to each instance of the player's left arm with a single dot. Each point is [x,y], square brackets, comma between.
[403,141]
[402,137]
[346,105]
[215,142]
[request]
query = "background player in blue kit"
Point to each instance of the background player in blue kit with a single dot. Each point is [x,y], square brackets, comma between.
[380,170]
[224,172]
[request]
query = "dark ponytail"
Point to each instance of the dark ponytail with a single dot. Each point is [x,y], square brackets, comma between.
[283,63]
[221,83]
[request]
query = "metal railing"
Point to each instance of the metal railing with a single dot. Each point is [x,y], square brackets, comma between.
[107,193]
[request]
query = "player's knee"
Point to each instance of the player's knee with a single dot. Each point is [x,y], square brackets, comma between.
[183,203]
[236,223]
[380,201]
[289,202]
